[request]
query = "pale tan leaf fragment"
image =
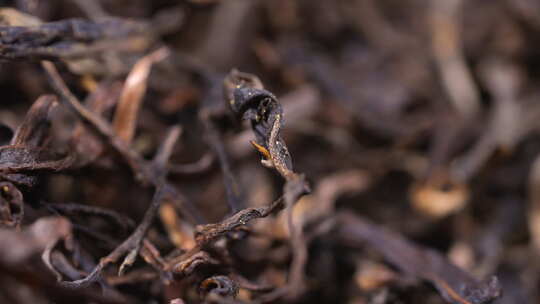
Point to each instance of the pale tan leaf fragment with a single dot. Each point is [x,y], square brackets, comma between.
[125,118]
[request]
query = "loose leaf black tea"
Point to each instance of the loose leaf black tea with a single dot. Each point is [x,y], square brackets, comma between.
[273,151]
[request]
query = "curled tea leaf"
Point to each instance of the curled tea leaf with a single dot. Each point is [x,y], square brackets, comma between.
[220,285]
[250,102]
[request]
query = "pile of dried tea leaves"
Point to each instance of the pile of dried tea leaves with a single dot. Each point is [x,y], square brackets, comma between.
[269,151]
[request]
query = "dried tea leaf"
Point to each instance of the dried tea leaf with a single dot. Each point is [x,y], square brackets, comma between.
[12,17]
[177,231]
[86,144]
[11,206]
[438,197]
[220,285]
[116,218]
[19,159]
[250,102]
[26,151]
[33,131]
[207,233]
[69,38]
[454,284]
[19,246]
[125,118]
[188,265]
[371,276]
